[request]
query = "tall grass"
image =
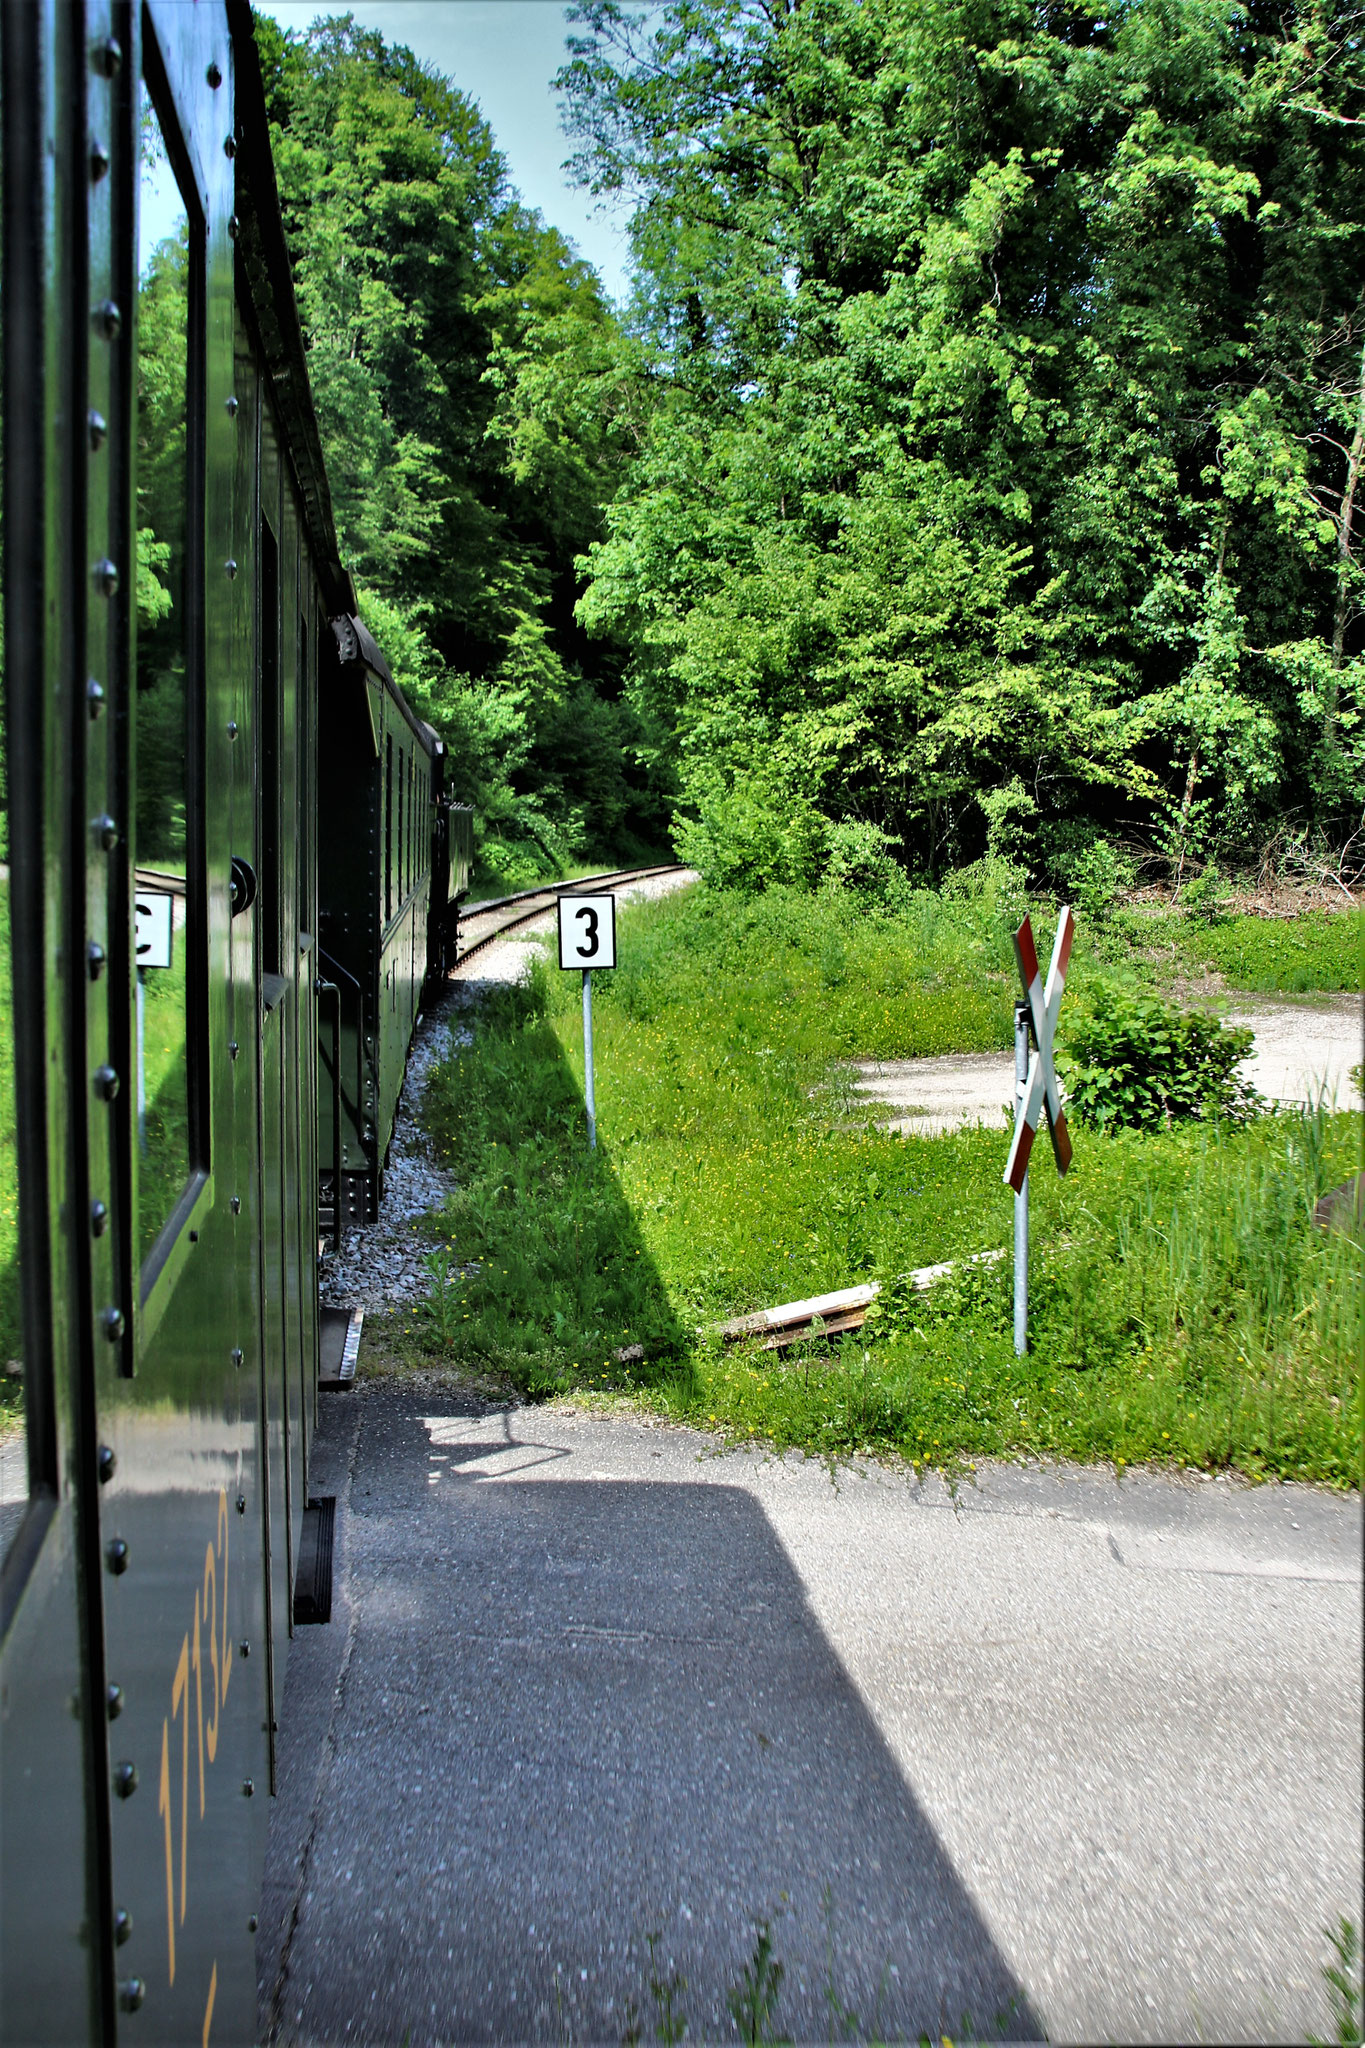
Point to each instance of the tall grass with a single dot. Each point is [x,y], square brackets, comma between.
[1185,1308]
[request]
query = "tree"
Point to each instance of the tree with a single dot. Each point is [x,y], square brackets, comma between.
[474,400]
[992,443]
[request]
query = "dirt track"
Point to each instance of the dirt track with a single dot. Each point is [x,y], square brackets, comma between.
[1304,1046]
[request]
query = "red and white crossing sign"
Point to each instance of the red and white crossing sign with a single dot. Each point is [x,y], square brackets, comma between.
[1040,1091]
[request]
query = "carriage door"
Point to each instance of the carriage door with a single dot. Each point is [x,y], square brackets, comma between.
[286,1268]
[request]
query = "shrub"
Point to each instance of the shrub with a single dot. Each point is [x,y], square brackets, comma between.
[1207,898]
[861,858]
[1138,1061]
[755,836]
[1094,878]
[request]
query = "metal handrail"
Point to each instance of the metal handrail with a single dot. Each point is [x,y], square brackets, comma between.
[344,973]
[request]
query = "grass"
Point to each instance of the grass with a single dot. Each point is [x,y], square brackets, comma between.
[1316,952]
[1185,1309]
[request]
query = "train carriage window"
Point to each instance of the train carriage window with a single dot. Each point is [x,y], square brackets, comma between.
[166,817]
[303,784]
[268,779]
[388,827]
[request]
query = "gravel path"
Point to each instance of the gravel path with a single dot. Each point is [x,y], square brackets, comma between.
[380,1266]
[1302,1046]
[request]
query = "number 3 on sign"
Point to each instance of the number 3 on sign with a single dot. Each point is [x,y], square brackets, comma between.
[587,930]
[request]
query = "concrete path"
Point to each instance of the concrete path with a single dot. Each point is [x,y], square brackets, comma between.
[1301,1047]
[1061,1758]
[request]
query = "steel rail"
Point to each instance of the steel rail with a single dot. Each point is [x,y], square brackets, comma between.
[529,904]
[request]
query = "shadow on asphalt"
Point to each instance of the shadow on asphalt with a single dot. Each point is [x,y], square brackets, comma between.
[575,1711]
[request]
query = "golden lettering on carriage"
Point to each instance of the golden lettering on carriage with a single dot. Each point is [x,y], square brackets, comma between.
[202,1669]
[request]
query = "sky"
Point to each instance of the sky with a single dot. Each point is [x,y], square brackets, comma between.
[503,53]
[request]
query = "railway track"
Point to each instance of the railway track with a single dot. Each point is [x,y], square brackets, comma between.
[482,923]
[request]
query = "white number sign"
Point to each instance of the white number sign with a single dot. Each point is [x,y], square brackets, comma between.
[587,930]
[153,927]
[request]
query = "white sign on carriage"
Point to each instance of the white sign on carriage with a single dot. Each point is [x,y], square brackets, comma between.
[153,924]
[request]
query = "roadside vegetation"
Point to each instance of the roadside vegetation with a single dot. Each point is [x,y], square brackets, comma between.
[1185,1309]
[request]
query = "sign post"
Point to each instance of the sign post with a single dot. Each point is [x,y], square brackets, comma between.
[1035,1090]
[587,939]
[154,922]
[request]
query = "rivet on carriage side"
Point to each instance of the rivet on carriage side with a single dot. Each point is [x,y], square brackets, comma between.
[105,831]
[131,1993]
[108,319]
[106,56]
[99,161]
[94,960]
[107,1464]
[123,1925]
[231,568]
[111,1322]
[106,1083]
[99,1219]
[237,1354]
[214,76]
[116,1557]
[106,577]
[113,1701]
[98,426]
[94,698]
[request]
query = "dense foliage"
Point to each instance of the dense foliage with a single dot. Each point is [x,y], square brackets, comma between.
[999,482]
[476,409]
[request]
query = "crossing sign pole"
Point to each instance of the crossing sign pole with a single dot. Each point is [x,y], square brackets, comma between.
[1035,1089]
[587,939]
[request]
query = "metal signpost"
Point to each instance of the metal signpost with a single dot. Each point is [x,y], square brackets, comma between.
[153,925]
[587,939]
[1035,1090]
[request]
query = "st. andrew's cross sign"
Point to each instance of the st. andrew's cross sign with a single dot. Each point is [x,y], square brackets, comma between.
[1040,1087]
[1036,1090]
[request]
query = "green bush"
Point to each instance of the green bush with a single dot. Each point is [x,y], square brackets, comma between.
[1138,1061]
[861,859]
[1093,879]
[1207,898]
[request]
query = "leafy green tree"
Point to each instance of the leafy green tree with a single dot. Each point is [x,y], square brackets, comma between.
[1000,467]
[477,403]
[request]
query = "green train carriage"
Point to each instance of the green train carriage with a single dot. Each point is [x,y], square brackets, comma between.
[395,851]
[169,1136]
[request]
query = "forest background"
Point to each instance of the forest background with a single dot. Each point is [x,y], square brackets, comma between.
[973,470]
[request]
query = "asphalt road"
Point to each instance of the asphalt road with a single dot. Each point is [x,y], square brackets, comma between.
[1059,1758]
